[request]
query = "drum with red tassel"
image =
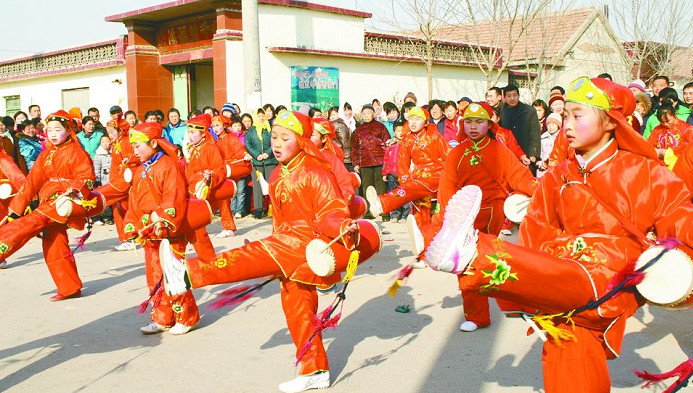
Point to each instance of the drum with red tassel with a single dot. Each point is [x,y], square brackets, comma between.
[198,215]
[226,190]
[668,281]
[324,259]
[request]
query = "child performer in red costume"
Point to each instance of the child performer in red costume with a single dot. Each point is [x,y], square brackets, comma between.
[61,174]
[323,137]
[123,164]
[481,160]
[238,166]
[11,180]
[671,136]
[204,169]
[574,240]
[307,203]
[158,203]
[421,158]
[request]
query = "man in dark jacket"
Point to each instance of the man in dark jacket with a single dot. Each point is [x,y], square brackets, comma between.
[523,121]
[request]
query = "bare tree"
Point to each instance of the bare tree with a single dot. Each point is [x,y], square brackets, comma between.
[653,31]
[494,28]
[419,23]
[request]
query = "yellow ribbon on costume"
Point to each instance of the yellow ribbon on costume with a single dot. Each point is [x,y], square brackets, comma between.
[392,291]
[670,159]
[546,323]
[89,204]
[352,265]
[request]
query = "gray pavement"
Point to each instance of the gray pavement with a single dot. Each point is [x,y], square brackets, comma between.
[92,344]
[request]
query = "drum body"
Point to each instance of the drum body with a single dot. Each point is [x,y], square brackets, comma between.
[668,282]
[198,215]
[68,206]
[335,259]
[226,190]
[357,208]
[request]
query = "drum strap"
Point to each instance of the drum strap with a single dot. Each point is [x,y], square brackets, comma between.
[627,224]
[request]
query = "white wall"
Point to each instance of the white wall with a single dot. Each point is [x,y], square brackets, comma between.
[296,27]
[361,80]
[47,91]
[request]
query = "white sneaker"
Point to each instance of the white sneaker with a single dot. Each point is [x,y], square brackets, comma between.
[179,328]
[125,246]
[454,247]
[226,233]
[237,215]
[153,328]
[306,382]
[98,222]
[376,208]
[506,232]
[468,326]
[3,264]
[419,264]
[173,269]
[415,235]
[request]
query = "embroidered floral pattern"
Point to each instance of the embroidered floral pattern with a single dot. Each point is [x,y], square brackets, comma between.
[578,249]
[170,211]
[401,193]
[4,248]
[223,262]
[500,274]
[145,219]
[129,228]
[90,184]
[177,308]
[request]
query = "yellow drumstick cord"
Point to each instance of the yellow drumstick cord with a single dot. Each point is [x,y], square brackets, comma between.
[352,265]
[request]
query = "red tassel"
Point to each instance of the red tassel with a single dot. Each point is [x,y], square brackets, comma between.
[80,242]
[143,306]
[683,371]
[157,297]
[628,276]
[233,296]
[304,349]
[405,272]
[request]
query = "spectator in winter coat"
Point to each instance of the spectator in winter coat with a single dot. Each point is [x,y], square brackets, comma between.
[368,150]
[176,128]
[522,120]
[89,138]
[343,139]
[28,144]
[102,170]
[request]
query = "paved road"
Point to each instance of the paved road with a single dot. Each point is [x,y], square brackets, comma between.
[93,344]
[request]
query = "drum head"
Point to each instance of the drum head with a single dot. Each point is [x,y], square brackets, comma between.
[264,186]
[228,170]
[515,207]
[669,281]
[63,206]
[201,190]
[5,190]
[320,261]
[127,175]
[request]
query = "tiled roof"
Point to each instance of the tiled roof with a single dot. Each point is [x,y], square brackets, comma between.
[548,33]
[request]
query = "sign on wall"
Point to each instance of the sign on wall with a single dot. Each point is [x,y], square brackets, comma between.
[314,87]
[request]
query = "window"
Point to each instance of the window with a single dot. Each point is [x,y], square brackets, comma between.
[12,105]
[76,98]
[522,80]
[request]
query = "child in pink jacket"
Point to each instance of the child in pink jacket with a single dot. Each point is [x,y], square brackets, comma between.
[390,171]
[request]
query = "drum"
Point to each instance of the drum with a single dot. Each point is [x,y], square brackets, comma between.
[127,175]
[669,281]
[264,186]
[325,262]
[228,171]
[5,190]
[515,207]
[71,206]
[357,208]
[201,189]
[199,215]
[226,190]
[355,180]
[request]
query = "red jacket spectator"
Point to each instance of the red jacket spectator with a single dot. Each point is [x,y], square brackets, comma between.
[451,129]
[368,144]
[390,160]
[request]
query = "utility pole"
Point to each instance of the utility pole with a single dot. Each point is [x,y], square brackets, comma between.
[251,55]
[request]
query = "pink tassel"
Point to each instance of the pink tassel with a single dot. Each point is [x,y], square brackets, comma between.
[405,272]
[669,242]
[304,349]
[683,371]
[80,241]
[157,297]
[143,306]
[628,276]
[228,301]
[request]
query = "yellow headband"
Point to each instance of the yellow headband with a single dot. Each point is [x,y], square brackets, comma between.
[289,121]
[583,91]
[475,111]
[196,127]
[136,136]
[417,112]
